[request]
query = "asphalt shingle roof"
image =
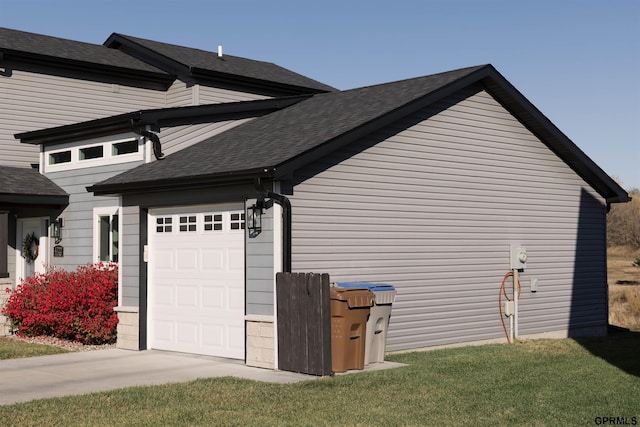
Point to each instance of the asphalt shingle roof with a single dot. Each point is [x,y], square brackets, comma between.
[26,182]
[229,65]
[20,42]
[272,140]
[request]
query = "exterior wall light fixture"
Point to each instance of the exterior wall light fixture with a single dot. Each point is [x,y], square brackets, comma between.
[56,230]
[254,218]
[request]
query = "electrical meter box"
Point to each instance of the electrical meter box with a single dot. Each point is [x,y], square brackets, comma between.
[518,257]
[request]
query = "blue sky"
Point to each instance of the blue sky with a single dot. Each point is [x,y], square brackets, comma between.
[578,61]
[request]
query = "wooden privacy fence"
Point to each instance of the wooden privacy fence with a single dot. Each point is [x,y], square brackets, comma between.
[304,323]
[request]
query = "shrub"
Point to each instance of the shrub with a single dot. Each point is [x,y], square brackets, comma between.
[74,305]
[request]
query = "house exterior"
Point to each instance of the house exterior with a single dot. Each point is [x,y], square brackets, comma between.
[424,183]
[47,82]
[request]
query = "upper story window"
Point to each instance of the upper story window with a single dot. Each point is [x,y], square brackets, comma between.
[126,147]
[97,153]
[60,157]
[88,153]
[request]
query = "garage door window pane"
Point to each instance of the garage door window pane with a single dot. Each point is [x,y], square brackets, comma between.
[213,222]
[188,223]
[163,224]
[237,221]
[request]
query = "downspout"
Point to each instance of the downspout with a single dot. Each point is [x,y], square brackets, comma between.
[155,139]
[284,202]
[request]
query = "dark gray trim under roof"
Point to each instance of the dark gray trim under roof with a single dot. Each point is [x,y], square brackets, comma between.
[198,64]
[53,51]
[277,144]
[27,187]
[156,119]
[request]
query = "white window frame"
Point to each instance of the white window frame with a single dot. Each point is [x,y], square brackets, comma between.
[107,158]
[109,211]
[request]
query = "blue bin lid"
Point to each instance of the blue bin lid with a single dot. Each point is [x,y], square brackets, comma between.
[366,285]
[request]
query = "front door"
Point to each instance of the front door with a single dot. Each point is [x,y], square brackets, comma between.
[31,251]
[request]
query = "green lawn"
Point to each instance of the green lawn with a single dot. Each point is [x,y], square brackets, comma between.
[13,349]
[547,382]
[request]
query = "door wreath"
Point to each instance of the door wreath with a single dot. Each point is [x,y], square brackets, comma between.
[30,247]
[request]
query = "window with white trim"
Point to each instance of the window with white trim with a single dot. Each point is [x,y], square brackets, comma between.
[106,234]
[89,154]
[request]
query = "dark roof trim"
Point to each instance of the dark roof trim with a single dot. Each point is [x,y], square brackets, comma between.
[157,80]
[285,169]
[59,56]
[534,120]
[145,50]
[211,180]
[485,76]
[156,118]
[30,200]
[203,74]
[512,100]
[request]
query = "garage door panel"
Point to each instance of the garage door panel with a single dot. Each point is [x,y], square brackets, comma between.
[197,282]
[213,260]
[163,330]
[163,296]
[236,337]
[213,297]
[187,296]
[213,335]
[188,259]
[235,259]
[165,259]
[236,300]
[187,333]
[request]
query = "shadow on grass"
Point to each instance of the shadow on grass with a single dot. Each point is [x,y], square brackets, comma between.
[620,348]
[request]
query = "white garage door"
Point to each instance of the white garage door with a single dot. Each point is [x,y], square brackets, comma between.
[196,280]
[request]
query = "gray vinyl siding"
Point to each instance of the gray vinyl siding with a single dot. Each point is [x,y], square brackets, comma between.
[182,94]
[431,206]
[179,137]
[130,256]
[179,95]
[213,95]
[32,101]
[259,268]
[77,233]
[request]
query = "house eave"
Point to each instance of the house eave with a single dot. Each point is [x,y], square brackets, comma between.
[155,118]
[155,80]
[180,183]
[209,75]
[512,100]
[33,200]
[537,123]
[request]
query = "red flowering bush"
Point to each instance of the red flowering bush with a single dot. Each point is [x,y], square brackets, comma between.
[76,305]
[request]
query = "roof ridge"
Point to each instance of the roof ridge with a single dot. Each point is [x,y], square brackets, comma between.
[423,77]
[134,38]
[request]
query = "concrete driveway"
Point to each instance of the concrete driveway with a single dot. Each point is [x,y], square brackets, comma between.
[68,374]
